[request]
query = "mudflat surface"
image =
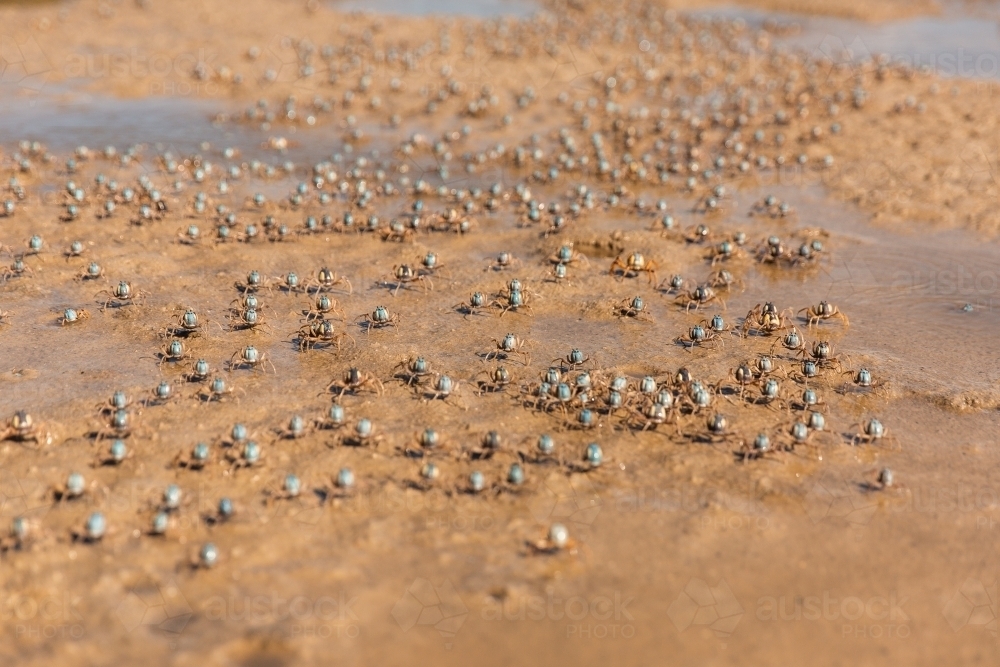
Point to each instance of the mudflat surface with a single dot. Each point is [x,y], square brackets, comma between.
[315,139]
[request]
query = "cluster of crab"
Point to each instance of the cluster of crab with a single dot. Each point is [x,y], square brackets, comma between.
[317,329]
[406,227]
[722,246]
[772,207]
[698,152]
[18,268]
[561,261]
[108,196]
[765,320]
[581,397]
[804,250]
[814,368]
[553,217]
[718,284]
[774,252]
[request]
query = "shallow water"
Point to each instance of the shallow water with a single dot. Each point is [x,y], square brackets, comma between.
[63,119]
[954,44]
[907,292]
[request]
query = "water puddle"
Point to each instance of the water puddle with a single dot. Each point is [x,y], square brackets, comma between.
[183,125]
[65,122]
[952,45]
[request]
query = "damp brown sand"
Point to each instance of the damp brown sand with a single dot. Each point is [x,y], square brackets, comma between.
[661,519]
[773,528]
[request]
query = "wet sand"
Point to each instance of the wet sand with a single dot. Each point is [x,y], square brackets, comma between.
[680,544]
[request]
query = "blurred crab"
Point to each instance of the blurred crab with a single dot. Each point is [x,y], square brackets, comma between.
[634,265]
